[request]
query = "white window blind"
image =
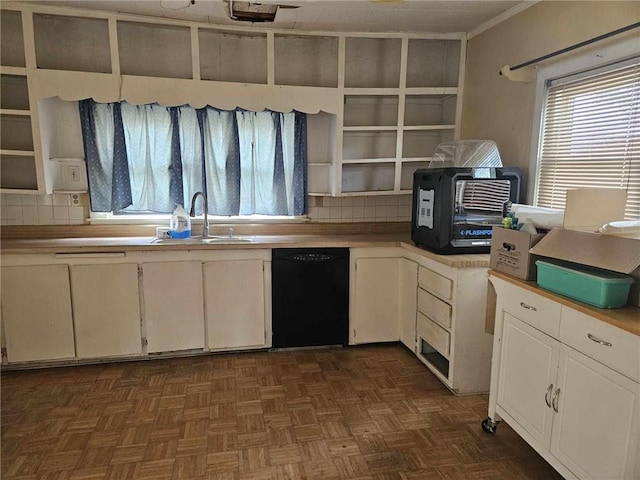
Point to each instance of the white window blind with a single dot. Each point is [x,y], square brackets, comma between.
[591,136]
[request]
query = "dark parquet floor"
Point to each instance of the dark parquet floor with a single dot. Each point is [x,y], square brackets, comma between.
[366,413]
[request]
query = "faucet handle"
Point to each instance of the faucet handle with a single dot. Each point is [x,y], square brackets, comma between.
[230,232]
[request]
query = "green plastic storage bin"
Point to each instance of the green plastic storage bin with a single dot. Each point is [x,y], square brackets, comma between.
[601,288]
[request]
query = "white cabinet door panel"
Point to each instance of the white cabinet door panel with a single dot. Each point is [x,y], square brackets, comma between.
[408,288]
[528,369]
[106,309]
[234,304]
[36,312]
[592,432]
[173,306]
[376,300]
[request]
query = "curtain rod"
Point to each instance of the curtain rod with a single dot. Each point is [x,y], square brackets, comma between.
[577,45]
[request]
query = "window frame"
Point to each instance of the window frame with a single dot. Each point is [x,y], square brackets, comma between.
[609,52]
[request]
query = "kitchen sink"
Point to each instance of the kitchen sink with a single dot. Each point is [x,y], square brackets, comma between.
[222,240]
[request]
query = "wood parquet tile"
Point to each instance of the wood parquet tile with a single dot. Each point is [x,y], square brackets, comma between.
[358,413]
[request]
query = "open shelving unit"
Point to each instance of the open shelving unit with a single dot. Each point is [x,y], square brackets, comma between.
[402,97]
[19,164]
[378,103]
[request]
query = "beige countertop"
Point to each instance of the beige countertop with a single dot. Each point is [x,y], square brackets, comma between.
[119,244]
[626,318]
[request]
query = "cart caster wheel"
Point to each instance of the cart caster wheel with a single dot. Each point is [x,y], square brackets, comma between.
[489,426]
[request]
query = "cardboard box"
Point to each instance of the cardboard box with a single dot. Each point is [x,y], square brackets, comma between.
[510,252]
[588,209]
[618,254]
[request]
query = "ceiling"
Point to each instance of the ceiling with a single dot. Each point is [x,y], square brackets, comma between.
[437,16]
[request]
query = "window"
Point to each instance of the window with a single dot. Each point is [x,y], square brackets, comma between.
[591,135]
[149,158]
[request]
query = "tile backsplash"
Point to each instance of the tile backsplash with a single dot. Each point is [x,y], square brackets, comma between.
[383,208]
[57,209]
[65,209]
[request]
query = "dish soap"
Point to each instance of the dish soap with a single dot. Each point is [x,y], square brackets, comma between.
[180,225]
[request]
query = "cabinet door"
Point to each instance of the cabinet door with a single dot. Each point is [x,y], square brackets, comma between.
[173,306]
[408,299]
[376,300]
[596,430]
[36,311]
[528,368]
[234,304]
[106,310]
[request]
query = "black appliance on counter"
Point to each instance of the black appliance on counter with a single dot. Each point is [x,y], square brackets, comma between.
[455,209]
[310,297]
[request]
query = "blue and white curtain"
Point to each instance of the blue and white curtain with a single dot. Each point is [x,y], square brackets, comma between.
[148,158]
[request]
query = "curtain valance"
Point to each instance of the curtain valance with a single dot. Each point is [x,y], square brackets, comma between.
[170,92]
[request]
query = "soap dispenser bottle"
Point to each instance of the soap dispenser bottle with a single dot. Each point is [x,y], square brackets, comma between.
[180,225]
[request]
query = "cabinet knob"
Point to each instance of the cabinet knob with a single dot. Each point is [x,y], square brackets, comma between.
[597,340]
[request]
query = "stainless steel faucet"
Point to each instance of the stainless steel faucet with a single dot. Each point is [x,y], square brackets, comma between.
[192,213]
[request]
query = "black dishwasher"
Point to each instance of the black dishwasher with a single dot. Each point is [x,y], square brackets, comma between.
[310,297]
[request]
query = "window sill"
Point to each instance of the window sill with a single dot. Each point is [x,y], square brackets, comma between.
[163,220]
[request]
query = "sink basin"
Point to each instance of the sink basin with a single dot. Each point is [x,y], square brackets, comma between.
[226,240]
[201,240]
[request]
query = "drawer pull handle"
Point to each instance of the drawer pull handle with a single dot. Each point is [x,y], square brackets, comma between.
[597,340]
[555,400]
[547,400]
[528,307]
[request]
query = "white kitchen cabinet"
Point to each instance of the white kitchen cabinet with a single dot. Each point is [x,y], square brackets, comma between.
[408,303]
[106,310]
[574,407]
[528,369]
[596,430]
[235,304]
[173,306]
[434,305]
[36,313]
[374,296]
[451,337]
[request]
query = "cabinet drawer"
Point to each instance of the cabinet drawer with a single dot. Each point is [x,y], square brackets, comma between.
[537,311]
[434,334]
[434,308]
[605,343]
[435,283]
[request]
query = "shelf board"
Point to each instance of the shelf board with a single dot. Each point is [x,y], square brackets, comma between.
[18,153]
[368,160]
[431,91]
[416,159]
[370,128]
[319,164]
[371,91]
[70,192]
[429,127]
[14,112]
[20,191]
[367,193]
[21,71]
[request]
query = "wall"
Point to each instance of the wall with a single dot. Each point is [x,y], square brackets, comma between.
[502,110]
[61,209]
